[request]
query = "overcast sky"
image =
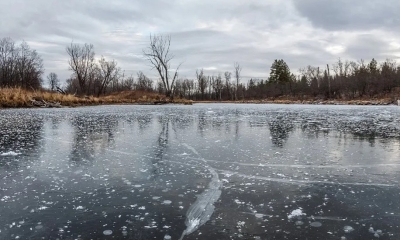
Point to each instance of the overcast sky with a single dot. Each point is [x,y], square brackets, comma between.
[209,34]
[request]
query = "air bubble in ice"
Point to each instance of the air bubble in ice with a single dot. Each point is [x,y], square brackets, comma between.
[315,224]
[167,237]
[348,229]
[299,223]
[39,227]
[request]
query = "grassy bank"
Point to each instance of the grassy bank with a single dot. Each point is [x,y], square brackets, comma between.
[21,98]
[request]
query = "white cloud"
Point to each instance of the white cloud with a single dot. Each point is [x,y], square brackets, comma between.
[335,49]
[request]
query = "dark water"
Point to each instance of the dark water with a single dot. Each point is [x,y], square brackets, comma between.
[200,172]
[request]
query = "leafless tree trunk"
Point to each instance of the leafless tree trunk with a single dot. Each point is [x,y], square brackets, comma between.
[190,86]
[201,82]
[228,83]
[329,81]
[218,87]
[238,69]
[81,62]
[29,67]
[159,56]
[8,60]
[53,81]
[20,66]
[143,82]
[108,72]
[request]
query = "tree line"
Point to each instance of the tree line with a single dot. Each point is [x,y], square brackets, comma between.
[341,80]
[20,66]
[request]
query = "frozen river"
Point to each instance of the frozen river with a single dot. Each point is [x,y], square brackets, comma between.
[207,171]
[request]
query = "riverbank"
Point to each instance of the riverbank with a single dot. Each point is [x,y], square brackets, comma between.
[382,101]
[21,98]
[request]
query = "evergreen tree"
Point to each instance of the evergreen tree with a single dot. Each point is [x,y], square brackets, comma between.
[280,72]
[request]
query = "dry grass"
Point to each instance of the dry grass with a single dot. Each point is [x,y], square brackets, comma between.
[18,97]
[134,97]
[382,99]
[142,97]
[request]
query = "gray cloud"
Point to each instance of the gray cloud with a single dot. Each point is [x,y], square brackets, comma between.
[368,46]
[351,15]
[207,34]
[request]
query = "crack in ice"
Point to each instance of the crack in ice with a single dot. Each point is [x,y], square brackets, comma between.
[301,165]
[293,181]
[202,209]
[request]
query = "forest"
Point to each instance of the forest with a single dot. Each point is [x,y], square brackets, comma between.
[21,66]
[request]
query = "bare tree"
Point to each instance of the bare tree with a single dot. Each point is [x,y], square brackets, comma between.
[19,65]
[108,72]
[311,73]
[143,82]
[228,76]
[238,69]
[8,60]
[53,81]
[159,56]
[201,82]
[29,67]
[81,62]
[189,85]
[218,87]
[128,83]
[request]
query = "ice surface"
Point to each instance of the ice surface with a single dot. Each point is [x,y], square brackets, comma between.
[152,169]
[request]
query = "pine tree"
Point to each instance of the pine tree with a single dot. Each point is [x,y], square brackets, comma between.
[280,72]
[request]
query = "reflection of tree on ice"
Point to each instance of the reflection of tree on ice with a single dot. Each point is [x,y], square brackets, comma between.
[161,147]
[202,209]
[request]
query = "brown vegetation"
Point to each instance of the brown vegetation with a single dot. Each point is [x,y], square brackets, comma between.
[384,100]
[18,97]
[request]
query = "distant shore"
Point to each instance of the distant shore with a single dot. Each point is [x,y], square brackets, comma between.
[383,101]
[20,98]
